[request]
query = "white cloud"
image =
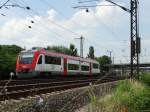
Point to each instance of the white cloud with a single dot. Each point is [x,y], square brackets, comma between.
[47,30]
[51,14]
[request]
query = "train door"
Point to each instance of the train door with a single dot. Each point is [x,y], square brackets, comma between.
[65,66]
[40,64]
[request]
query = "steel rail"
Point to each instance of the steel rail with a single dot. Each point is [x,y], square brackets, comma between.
[16,94]
[37,85]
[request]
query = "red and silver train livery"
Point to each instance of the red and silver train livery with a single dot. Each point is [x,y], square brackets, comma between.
[39,62]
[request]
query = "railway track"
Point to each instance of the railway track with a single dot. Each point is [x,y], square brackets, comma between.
[33,81]
[22,90]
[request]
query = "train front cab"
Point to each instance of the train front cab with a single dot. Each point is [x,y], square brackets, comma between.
[26,64]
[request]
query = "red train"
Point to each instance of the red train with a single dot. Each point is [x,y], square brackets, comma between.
[39,62]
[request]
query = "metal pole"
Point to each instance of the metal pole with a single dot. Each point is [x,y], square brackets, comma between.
[132,51]
[81,46]
[135,46]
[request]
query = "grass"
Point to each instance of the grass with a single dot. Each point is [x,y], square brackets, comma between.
[129,96]
[132,95]
[145,78]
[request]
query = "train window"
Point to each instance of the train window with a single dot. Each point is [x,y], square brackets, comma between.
[40,60]
[52,60]
[26,58]
[73,67]
[95,65]
[84,68]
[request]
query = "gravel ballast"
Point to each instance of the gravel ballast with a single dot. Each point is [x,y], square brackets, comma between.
[64,101]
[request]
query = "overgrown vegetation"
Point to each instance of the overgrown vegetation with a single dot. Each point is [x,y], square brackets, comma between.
[145,78]
[132,95]
[129,96]
[8,54]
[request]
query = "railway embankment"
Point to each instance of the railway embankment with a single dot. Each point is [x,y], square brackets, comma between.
[62,101]
[129,96]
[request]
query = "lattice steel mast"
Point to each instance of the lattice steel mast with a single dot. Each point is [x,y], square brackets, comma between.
[135,39]
[134,34]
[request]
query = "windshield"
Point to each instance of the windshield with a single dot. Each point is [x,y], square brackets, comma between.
[26,57]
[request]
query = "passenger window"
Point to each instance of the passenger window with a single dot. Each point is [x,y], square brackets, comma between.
[73,67]
[95,66]
[40,60]
[52,60]
[85,68]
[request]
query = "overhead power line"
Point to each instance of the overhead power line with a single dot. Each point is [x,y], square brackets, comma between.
[85,1]
[47,27]
[74,22]
[58,36]
[63,27]
[87,6]
[44,24]
[61,14]
[135,40]
[56,24]
[6,5]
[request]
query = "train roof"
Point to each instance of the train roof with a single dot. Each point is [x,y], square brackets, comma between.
[42,51]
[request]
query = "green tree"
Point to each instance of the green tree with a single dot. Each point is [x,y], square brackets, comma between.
[74,51]
[8,56]
[72,47]
[103,60]
[59,49]
[91,52]
[62,49]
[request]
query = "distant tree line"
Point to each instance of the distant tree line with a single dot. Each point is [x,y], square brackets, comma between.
[8,56]
[62,49]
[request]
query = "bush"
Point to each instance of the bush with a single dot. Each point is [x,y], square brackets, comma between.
[8,54]
[129,96]
[133,95]
[145,78]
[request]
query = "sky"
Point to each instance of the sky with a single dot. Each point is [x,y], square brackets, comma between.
[107,29]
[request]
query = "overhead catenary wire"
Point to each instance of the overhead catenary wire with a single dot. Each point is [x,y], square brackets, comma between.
[4,4]
[59,36]
[58,25]
[85,1]
[44,25]
[101,21]
[56,33]
[78,35]
[75,32]
[105,26]
[112,32]
[58,11]
[98,44]
[69,31]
